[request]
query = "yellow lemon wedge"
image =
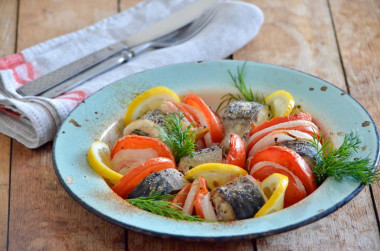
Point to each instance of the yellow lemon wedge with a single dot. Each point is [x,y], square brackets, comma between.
[216,174]
[274,187]
[281,103]
[147,101]
[98,157]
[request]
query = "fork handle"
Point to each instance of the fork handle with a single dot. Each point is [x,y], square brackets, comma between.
[56,77]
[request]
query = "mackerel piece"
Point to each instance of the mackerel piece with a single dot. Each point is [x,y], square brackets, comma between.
[164,182]
[156,115]
[237,200]
[239,117]
[208,155]
[304,148]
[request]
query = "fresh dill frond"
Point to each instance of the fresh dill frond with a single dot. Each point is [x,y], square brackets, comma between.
[180,140]
[245,92]
[336,162]
[157,203]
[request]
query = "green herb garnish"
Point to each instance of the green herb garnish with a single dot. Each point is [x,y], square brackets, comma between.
[180,140]
[245,92]
[158,204]
[336,162]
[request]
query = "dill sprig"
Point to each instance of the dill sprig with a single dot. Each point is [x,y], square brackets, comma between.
[336,162]
[245,92]
[158,204]
[180,140]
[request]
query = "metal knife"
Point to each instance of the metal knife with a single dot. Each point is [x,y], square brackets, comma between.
[111,56]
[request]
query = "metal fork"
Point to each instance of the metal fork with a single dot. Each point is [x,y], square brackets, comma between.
[120,56]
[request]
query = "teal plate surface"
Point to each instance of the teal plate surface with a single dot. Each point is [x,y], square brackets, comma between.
[334,110]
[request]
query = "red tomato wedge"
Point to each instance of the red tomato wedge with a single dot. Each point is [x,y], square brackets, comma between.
[309,129]
[142,142]
[290,160]
[237,153]
[129,181]
[201,121]
[213,122]
[278,120]
[294,192]
[180,198]
[185,112]
[201,192]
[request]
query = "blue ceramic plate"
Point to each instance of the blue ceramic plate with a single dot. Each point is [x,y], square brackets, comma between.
[334,110]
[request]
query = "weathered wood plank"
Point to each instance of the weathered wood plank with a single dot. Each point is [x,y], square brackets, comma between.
[42,214]
[138,242]
[8,16]
[126,4]
[300,35]
[296,34]
[42,20]
[358,31]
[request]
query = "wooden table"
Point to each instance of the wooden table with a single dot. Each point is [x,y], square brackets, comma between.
[336,40]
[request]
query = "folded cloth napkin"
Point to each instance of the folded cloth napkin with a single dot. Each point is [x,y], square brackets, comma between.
[34,121]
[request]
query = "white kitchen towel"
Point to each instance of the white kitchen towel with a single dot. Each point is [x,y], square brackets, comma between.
[34,121]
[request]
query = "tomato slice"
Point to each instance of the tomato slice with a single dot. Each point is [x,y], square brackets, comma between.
[142,142]
[302,128]
[213,122]
[278,120]
[237,153]
[201,192]
[180,198]
[290,160]
[129,181]
[185,112]
[293,194]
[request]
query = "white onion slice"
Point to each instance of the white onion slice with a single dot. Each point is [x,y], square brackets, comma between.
[285,125]
[208,208]
[190,199]
[126,159]
[144,125]
[262,164]
[276,137]
[168,106]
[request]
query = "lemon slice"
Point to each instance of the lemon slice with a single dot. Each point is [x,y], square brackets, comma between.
[147,101]
[281,103]
[216,174]
[98,157]
[274,187]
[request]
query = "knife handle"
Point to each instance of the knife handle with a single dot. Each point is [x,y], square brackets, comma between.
[96,70]
[55,78]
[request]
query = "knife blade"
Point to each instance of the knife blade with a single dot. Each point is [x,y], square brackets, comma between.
[167,25]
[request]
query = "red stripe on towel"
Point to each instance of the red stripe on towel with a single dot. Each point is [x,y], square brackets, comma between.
[11,61]
[10,112]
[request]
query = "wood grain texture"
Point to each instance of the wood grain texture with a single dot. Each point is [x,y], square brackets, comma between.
[296,34]
[42,214]
[40,20]
[138,242]
[358,31]
[300,35]
[5,146]
[126,4]
[8,20]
